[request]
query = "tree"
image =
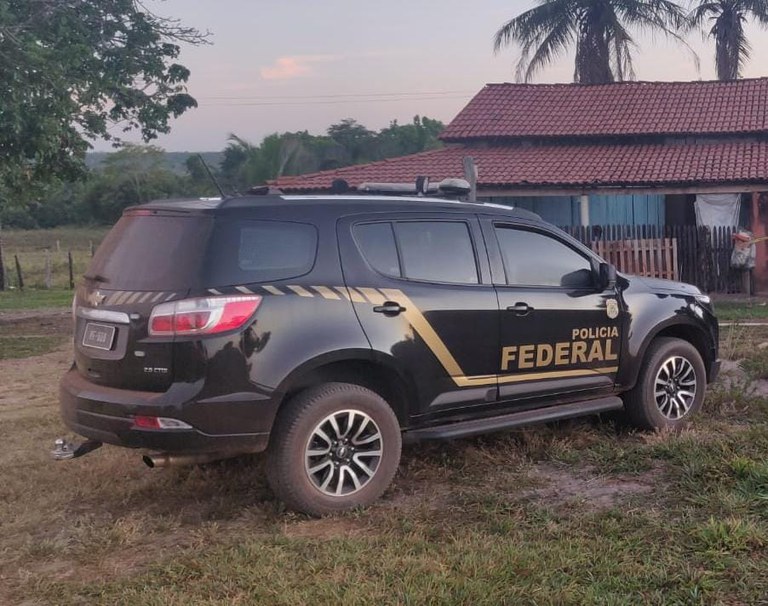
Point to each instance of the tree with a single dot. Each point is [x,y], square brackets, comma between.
[133,175]
[72,71]
[728,17]
[599,30]
[357,140]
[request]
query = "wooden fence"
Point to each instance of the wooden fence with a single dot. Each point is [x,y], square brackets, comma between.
[656,258]
[697,255]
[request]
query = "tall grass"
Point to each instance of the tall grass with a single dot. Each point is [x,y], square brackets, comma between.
[36,248]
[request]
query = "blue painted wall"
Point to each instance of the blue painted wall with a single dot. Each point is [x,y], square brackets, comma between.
[637,209]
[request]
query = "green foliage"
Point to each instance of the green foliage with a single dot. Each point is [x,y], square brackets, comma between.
[598,29]
[728,17]
[71,70]
[139,173]
[346,143]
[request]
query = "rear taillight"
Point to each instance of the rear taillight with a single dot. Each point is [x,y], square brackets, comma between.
[205,316]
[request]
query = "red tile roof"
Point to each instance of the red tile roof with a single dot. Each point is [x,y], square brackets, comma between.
[564,166]
[607,110]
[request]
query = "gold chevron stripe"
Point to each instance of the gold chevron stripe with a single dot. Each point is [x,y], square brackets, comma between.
[420,324]
[326,293]
[273,290]
[301,291]
[373,295]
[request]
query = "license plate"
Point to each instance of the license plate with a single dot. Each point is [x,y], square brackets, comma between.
[99,336]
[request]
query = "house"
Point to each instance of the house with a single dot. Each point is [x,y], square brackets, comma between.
[629,153]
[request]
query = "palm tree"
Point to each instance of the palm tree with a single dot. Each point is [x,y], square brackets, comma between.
[732,49]
[599,29]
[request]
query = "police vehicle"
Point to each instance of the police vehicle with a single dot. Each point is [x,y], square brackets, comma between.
[325,330]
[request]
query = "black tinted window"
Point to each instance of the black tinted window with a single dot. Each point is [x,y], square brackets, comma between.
[437,251]
[534,259]
[243,252]
[377,241]
[152,252]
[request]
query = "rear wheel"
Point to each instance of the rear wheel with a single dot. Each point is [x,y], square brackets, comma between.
[333,447]
[671,386]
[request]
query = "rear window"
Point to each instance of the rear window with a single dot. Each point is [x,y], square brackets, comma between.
[244,252]
[154,252]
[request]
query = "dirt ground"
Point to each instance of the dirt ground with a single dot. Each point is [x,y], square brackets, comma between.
[107,514]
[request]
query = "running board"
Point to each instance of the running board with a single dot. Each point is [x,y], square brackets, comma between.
[463,429]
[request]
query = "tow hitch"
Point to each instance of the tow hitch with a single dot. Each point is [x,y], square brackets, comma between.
[64,449]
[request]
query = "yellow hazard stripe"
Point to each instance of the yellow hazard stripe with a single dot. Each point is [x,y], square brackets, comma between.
[326,293]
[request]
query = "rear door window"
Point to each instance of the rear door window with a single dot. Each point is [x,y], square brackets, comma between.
[430,251]
[437,251]
[245,252]
[377,241]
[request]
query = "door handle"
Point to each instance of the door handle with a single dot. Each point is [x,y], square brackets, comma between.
[520,309]
[389,308]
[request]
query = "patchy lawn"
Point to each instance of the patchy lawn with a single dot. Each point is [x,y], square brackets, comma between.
[583,512]
[744,310]
[14,300]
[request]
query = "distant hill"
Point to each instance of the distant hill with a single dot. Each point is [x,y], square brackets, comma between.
[176,161]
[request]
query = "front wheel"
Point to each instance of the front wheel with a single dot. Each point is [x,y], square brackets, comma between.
[671,386]
[333,447]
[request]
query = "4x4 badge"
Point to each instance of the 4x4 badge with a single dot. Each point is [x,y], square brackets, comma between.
[612,308]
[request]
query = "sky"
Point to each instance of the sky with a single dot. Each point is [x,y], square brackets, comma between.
[293,65]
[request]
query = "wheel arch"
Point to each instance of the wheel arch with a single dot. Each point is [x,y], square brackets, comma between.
[366,368]
[692,333]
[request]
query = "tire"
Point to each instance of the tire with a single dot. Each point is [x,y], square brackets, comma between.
[319,459]
[670,388]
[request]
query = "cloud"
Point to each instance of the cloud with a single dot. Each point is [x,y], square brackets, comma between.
[296,66]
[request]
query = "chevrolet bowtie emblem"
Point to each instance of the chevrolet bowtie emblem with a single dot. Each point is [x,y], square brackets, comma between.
[96,298]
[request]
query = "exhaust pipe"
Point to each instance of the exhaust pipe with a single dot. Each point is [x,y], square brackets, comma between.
[171,460]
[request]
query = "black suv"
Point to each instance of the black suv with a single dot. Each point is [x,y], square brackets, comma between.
[326,330]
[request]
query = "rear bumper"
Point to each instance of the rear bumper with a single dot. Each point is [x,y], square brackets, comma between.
[234,423]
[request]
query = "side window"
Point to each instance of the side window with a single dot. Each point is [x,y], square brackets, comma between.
[535,259]
[437,251]
[243,252]
[377,242]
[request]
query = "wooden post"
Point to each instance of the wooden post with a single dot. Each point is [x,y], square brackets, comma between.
[470,174]
[48,268]
[584,210]
[71,271]
[90,247]
[2,262]
[758,227]
[18,272]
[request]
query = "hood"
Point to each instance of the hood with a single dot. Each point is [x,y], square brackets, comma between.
[666,286]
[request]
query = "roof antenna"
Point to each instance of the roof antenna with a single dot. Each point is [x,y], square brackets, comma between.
[213,178]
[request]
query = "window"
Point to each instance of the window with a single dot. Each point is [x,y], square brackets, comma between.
[434,251]
[534,259]
[243,252]
[152,253]
[439,251]
[377,241]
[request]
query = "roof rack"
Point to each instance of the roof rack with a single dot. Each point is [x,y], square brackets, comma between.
[453,188]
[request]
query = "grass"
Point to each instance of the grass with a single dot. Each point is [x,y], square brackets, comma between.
[35,248]
[32,337]
[742,310]
[14,300]
[27,346]
[582,512]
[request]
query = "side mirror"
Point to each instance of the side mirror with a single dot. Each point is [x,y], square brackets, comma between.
[606,276]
